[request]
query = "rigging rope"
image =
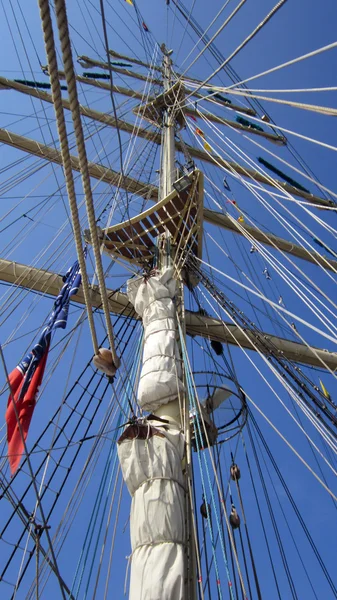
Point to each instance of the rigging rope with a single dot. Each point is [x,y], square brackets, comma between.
[74,106]
[62,132]
[74,410]
[196,405]
[34,484]
[247,39]
[291,500]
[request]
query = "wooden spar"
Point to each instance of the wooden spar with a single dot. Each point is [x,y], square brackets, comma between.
[50,283]
[194,152]
[243,109]
[124,125]
[127,92]
[272,137]
[84,110]
[213,329]
[146,190]
[96,171]
[104,86]
[87,62]
[135,61]
[244,171]
[222,220]
[147,66]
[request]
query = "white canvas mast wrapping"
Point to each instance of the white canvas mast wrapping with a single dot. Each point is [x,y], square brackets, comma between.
[160,377]
[151,452]
[151,460]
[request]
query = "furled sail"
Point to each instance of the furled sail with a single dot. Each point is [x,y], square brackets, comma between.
[151,451]
[151,457]
[160,378]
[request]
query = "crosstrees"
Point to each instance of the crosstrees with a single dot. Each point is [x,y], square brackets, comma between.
[180,212]
[98,171]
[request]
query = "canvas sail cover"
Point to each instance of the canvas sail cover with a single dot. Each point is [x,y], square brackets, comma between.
[151,452]
[151,456]
[160,378]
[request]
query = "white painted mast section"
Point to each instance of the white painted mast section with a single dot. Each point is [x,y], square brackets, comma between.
[167,177]
[168,147]
[178,409]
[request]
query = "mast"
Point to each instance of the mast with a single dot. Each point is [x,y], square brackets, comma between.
[178,410]
[155,241]
[155,450]
[168,148]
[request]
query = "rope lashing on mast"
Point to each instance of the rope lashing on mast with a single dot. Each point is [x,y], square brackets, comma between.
[62,23]
[66,159]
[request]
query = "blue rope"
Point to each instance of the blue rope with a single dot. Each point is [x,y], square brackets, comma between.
[92,522]
[198,438]
[110,467]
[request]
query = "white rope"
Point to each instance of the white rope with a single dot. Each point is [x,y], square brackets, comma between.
[251,94]
[136,127]
[211,40]
[239,152]
[204,32]
[317,424]
[247,39]
[251,188]
[287,91]
[286,275]
[277,307]
[289,131]
[265,299]
[287,64]
[325,110]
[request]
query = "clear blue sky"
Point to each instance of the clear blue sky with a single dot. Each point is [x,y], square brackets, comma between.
[296,29]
